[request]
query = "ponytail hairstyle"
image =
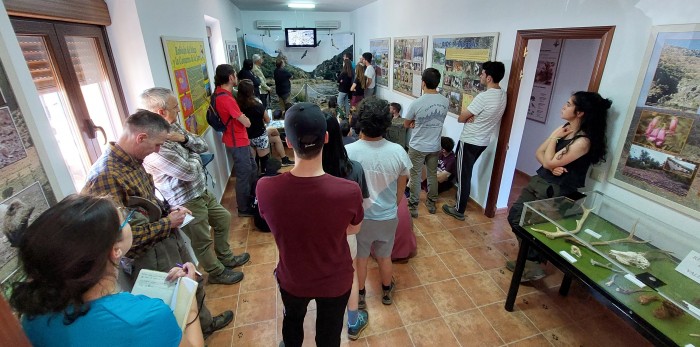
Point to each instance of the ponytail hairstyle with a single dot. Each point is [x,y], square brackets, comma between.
[335,157]
[64,253]
[594,122]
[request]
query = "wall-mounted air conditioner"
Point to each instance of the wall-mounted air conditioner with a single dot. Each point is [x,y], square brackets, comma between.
[268,24]
[328,24]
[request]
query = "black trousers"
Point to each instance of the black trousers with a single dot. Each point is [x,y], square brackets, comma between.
[467,154]
[329,319]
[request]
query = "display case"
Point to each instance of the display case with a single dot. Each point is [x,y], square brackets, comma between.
[647,268]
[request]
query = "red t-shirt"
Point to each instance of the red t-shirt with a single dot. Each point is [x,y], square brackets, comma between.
[227,107]
[308,217]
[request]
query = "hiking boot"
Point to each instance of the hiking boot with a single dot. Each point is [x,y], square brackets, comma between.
[453,212]
[362,304]
[386,294]
[431,208]
[228,276]
[219,322]
[533,272]
[287,162]
[237,260]
[510,265]
[362,322]
[246,213]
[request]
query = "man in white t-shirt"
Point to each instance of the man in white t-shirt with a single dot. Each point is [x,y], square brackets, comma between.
[481,119]
[425,116]
[370,74]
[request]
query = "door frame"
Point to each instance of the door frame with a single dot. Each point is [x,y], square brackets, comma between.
[604,33]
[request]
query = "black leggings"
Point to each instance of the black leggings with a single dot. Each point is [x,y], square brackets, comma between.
[329,319]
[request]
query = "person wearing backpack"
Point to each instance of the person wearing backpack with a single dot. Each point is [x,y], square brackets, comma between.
[235,137]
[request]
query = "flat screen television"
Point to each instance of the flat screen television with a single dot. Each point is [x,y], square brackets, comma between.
[300,37]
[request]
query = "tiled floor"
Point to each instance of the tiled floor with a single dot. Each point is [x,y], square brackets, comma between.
[451,294]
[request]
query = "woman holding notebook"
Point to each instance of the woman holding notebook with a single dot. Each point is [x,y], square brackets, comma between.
[71,256]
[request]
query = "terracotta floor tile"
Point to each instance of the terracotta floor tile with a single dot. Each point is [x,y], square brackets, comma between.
[427,224]
[256,307]
[394,338]
[373,283]
[415,305]
[442,241]
[219,305]
[569,335]
[256,237]
[382,318]
[432,333]
[510,326]
[609,330]
[214,291]
[542,311]
[256,334]
[471,328]
[240,223]
[449,297]
[487,256]
[430,269]
[534,341]
[258,277]
[481,288]
[502,277]
[508,248]
[262,253]
[424,248]
[476,216]
[238,237]
[497,230]
[221,338]
[450,222]
[467,237]
[405,276]
[460,263]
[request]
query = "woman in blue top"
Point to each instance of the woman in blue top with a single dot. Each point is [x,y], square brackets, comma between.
[71,256]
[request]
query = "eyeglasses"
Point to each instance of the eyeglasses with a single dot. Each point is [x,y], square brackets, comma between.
[129,214]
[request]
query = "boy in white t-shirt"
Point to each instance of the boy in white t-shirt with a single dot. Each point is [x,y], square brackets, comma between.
[481,120]
[370,74]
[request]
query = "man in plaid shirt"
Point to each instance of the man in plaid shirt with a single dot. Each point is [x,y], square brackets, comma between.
[120,174]
[179,175]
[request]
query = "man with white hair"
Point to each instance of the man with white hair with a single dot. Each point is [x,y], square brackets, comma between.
[264,88]
[179,175]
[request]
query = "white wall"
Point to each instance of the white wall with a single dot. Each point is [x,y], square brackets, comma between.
[292,19]
[633,21]
[135,37]
[575,67]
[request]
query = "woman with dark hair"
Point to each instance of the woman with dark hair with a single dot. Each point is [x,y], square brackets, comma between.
[71,256]
[566,155]
[358,86]
[344,84]
[336,163]
[254,109]
[247,73]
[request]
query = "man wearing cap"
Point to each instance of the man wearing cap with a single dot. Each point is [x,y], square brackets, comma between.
[264,88]
[310,222]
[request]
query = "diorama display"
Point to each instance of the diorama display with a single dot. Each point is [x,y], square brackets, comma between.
[649,267]
[459,59]
[660,155]
[380,49]
[189,76]
[409,63]
[547,66]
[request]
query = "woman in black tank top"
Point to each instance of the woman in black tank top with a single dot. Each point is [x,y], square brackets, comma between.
[566,155]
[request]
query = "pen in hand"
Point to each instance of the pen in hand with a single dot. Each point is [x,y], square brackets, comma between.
[185,268]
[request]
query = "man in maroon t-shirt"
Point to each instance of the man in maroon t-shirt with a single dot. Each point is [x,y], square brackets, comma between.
[310,214]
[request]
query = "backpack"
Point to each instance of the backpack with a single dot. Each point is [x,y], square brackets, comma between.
[213,117]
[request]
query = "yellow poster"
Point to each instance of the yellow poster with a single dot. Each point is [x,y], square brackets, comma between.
[475,54]
[189,76]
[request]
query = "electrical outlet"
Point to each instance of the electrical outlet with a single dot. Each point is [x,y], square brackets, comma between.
[598,174]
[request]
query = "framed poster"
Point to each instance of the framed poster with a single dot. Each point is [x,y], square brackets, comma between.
[189,77]
[547,66]
[232,56]
[380,49]
[459,59]
[660,155]
[409,63]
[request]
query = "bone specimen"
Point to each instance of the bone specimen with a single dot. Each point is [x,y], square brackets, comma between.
[646,299]
[607,266]
[576,251]
[631,258]
[628,239]
[560,233]
[612,280]
[667,310]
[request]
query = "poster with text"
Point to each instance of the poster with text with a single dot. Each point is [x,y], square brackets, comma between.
[660,155]
[409,63]
[547,65]
[189,76]
[380,49]
[459,59]
[232,57]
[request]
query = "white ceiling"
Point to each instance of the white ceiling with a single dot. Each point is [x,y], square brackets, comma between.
[281,5]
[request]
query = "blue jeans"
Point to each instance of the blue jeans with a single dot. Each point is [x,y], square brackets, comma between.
[344,102]
[246,174]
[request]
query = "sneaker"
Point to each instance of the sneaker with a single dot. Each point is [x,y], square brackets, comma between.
[287,162]
[414,212]
[510,265]
[237,260]
[245,213]
[453,212]
[386,294]
[219,322]
[431,208]
[362,322]
[362,304]
[228,276]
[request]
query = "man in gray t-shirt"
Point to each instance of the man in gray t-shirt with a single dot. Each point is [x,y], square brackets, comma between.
[426,116]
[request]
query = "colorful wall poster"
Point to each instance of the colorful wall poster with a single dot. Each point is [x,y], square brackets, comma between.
[189,76]
[547,65]
[459,59]
[660,155]
[409,63]
[380,49]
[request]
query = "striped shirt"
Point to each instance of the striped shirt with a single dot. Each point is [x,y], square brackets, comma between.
[487,109]
[120,176]
[177,168]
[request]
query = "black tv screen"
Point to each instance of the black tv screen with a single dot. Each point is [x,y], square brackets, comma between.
[300,37]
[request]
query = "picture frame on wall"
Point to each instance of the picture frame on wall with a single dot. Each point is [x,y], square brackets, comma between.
[660,155]
[409,59]
[459,59]
[232,55]
[381,51]
[545,79]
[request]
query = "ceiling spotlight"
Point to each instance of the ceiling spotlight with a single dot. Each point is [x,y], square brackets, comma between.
[301,5]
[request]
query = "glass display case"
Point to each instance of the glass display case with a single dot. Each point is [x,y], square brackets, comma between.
[650,268]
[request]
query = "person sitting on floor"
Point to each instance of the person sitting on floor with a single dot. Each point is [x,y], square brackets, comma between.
[447,167]
[276,138]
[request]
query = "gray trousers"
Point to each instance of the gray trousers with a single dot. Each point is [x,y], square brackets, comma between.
[246,174]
